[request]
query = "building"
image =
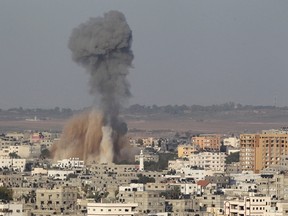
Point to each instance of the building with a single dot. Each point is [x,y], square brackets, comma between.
[148,201]
[182,206]
[15,209]
[70,163]
[147,157]
[232,141]
[209,160]
[207,141]
[12,164]
[260,151]
[62,199]
[249,205]
[185,151]
[111,209]
[59,174]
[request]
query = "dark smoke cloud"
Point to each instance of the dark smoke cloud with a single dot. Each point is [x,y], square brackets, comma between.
[102,46]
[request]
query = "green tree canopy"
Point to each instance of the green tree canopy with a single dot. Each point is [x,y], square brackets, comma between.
[45,153]
[144,179]
[14,155]
[6,193]
[233,157]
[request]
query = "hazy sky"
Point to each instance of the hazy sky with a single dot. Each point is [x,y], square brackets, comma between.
[186,52]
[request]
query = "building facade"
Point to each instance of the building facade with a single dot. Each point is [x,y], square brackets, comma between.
[207,141]
[260,151]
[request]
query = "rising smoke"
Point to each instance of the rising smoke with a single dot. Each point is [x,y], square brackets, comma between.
[102,46]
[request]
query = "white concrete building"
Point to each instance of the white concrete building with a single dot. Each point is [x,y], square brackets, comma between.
[232,141]
[14,135]
[15,209]
[187,188]
[15,164]
[280,209]
[24,151]
[70,163]
[59,174]
[112,209]
[39,171]
[250,205]
[132,187]
[214,161]
[197,174]
[209,160]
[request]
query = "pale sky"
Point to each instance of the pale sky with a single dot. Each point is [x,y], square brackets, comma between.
[186,52]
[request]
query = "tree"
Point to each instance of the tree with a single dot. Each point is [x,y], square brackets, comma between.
[174,193]
[45,153]
[6,194]
[98,195]
[14,155]
[28,166]
[144,179]
[233,157]
[161,164]
[140,142]
[71,175]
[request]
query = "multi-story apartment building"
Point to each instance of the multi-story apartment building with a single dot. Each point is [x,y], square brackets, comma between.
[12,164]
[11,180]
[177,207]
[260,151]
[249,205]
[207,141]
[148,201]
[231,141]
[273,185]
[185,151]
[208,160]
[57,200]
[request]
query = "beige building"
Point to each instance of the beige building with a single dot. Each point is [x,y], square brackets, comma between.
[111,209]
[251,205]
[62,199]
[148,157]
[148,201]
[207,141]
[185,151]
[14,209]
[260,151]
[179,207]
[209,160]
[273,185]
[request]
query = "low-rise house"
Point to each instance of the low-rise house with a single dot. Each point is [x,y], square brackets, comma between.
[101,209]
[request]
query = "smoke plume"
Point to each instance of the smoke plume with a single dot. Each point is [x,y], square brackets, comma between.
[102,46]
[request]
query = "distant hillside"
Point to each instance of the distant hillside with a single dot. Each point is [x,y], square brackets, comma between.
[227,111]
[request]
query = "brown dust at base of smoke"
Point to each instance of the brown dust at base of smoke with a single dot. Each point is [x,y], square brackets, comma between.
[85,137]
